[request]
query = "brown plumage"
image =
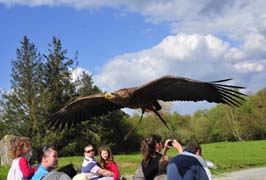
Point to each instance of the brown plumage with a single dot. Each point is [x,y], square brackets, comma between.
[165,88]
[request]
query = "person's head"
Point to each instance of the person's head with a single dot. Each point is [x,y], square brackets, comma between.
[49,158]
[105,155]
[89,151]
[149,146]
[21,147]
[194,147]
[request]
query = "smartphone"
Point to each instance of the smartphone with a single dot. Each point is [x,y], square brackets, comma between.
[170,143]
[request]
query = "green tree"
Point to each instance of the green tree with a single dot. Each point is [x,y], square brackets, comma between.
[21,104]
[202,126]
[2,124]
[86,131]
[104,130]
[58,88]
[255,115]
[57,76]
[86,86]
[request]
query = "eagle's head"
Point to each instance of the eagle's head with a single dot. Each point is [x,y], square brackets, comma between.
[119,97]
[108,95]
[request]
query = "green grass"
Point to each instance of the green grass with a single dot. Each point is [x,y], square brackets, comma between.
[228,156]
[3,172]
[231,156]
[127,163]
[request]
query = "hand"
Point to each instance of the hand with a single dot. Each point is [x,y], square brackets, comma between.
[166,147]
[166,144]
[177,146]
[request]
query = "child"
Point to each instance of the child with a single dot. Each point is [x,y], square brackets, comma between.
[20,168]
[107,161]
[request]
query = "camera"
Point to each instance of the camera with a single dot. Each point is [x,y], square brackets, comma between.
[170,143]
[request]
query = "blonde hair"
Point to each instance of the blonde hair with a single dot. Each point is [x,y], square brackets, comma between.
[17,147]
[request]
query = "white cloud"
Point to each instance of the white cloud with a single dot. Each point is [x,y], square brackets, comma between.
[234,19]
[255,45]
[235,54]
[77,72]
[205,58]
[183,55]
[249,67]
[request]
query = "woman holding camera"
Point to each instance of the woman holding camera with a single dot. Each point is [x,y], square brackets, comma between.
[151,148]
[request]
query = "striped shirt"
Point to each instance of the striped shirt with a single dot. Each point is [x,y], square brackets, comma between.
[90,168]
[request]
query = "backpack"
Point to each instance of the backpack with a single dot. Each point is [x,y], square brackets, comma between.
[56,175]
[69,170]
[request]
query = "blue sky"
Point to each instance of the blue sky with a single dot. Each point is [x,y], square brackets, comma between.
[98,35]
[127,43]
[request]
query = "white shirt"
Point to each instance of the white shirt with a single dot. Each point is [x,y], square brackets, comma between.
[14,172]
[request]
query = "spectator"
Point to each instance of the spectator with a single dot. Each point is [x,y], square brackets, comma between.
[20,168]
[107,161]
[90,167]
[49,160]
[151,148]
[189,164]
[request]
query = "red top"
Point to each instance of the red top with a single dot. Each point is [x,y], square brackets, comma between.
[111,166]
[26,170]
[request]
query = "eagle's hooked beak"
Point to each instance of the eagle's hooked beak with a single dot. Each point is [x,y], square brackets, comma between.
[108,95]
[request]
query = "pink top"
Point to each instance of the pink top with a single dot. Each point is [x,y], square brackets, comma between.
[27,171]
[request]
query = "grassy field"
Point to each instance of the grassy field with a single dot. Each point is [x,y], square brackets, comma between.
[228,156]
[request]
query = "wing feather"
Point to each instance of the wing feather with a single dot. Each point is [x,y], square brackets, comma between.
[81,109]
[166,88]
[172,88]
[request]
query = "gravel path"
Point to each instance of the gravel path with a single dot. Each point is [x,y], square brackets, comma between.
[248,174]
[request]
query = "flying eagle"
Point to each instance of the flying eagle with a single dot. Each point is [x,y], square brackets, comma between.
[146,97]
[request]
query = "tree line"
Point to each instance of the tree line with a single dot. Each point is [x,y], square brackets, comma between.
[41,84]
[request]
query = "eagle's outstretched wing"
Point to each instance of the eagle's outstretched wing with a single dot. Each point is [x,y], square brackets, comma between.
[166,88]
[172,88]
[82,109]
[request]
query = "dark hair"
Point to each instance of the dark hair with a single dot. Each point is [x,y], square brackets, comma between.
[88,145]
[193,146]
[44,150]
[148,147]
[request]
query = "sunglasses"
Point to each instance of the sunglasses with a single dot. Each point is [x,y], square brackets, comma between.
[92,150]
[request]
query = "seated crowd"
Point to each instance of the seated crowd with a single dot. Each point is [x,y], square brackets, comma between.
[187,164]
